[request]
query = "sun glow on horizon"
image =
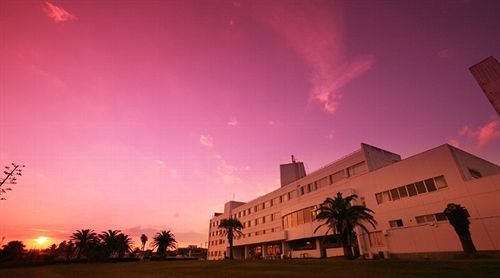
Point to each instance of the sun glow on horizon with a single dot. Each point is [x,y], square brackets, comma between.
[41,241]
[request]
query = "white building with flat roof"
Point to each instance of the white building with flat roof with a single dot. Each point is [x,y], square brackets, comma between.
[408,198]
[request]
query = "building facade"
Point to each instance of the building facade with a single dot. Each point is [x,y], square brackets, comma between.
[407,196]
[487,75]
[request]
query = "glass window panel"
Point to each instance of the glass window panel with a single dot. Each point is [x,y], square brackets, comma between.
[395,194]
[420,219]
[307,215]
[324,182]
[379,198]
[402,192]
[294,219]
[475,173]
[338,176]
[430,218]
[412,191]
[420,187]
[441,216]
[387,196]
[440,182]
[431,186]
[300,217]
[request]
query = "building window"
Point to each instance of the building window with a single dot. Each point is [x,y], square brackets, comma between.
[430,185]
[420,187]
[412,191]
[402,192]
[431,218]
[440,182]
[396,223]
[323,182]
[475,174]
[355,169]
[394,194]
[441,217]
[337,176]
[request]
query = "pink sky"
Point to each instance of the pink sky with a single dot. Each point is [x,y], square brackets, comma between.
[150,115]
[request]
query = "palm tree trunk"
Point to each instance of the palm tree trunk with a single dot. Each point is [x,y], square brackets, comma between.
[346,246]
[231,249]
[467,244]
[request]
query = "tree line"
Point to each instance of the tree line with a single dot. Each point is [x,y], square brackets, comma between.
[87,245]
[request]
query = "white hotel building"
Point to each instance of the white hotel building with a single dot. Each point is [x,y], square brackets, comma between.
[407,196]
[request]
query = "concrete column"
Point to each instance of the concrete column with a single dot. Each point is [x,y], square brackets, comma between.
[283,249]
[246,255]
[264,251]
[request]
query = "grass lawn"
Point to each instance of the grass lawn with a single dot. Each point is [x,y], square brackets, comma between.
[287,268]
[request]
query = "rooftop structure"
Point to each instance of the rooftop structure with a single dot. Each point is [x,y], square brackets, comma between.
[487,75]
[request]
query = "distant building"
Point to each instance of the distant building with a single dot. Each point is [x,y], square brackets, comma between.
[192,252]
[408,197]
[487,74]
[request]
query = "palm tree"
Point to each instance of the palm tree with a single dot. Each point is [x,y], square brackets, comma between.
[341,218]
[124,244]
[144,239]
[13,250]
[163,240]
[458,217]
[110,240]
[232,228]
[83,240]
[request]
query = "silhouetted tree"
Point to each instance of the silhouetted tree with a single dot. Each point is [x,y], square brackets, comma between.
[134,252]
[144,239]
[163,240]
[231,228]
[84,240]
[109,239]
[341,218]
[14,250]
[124,244]
[458,217]
[11,173]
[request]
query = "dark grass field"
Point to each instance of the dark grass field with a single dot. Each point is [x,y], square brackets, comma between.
[287,268]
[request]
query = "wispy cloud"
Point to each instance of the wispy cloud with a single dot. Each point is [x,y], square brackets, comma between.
[227,173]
[233,122]
[58,14]
[314,29]
[477,137]
[327,85]
[207,141]
[171,171]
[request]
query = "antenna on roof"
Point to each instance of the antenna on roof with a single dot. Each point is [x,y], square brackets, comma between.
[293,159]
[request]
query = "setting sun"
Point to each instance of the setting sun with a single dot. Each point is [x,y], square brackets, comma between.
[41,241]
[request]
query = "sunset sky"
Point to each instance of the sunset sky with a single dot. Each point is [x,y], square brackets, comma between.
[150,115]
